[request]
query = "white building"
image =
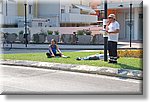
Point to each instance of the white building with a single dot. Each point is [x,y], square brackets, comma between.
[8,12]
[122,12]
[47,13]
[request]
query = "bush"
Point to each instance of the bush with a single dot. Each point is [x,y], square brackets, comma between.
[43,34]
[21,32]
[50,32]
[15,35]
[131,53]
[36,38]
[87,32]
[11,37]
[56,32]
[80,32]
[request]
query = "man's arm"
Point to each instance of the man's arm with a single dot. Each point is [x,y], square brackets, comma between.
[108,23]
[114,32]
[117,27]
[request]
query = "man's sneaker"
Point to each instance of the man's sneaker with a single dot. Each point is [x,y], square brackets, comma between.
[118,57]
[115,62]
[112,61]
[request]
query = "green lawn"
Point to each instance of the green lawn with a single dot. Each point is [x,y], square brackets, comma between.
[132,63]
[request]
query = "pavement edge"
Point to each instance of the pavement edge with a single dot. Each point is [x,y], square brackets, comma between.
[124,73]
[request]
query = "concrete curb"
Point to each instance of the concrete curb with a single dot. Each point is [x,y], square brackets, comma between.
[73,48]
[124,73]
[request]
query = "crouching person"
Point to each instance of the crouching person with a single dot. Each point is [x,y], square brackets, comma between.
[53,49]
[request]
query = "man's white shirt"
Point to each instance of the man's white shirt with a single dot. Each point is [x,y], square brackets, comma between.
[111,28]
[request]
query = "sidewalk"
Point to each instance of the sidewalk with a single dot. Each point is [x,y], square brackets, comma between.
[121,45]
[124,73]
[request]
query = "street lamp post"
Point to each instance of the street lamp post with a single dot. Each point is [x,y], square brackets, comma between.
[105,37]
[6,8]
[130,23]
[25,28]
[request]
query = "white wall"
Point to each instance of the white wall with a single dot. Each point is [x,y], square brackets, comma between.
[47,8]
[11,8]
[69,2]
[121,19]
[136,23]
[10,17]
[123,16]
[84,2]
[75,10]
[78,18]
[31,2]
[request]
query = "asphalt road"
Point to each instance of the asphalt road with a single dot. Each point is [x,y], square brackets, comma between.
[14,51]
[26,80]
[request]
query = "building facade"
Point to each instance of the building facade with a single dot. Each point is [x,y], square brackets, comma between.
[47,13]
[8,12]
[122,12]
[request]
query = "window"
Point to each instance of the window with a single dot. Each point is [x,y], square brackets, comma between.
[69,9]
[101,15]
[140,15]
[62,11]
[30,9]
[1,7]
[39,24]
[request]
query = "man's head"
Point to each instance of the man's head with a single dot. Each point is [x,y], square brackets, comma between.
[112,17]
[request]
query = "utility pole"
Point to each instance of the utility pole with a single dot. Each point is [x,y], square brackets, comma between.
[104,28]
[25,28]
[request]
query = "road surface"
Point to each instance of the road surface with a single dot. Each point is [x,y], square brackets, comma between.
[15,51]
[27,80]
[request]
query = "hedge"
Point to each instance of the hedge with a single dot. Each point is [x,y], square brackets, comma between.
[130,53]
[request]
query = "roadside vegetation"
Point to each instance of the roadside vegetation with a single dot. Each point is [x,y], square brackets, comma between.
[123,62]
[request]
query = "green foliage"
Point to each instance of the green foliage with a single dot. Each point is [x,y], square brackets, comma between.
[42,33]
[87,32]
[36,38]
[123,62]
[82,32]
[56,32]
[49,32]
[15,34]
[21,32]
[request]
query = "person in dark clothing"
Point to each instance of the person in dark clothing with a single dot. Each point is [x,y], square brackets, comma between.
[75,38]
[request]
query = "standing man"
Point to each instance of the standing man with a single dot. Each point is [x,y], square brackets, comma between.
[112,28]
